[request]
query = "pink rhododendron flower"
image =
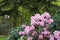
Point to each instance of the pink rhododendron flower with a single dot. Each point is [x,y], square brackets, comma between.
[57,34]
[34,33]
[41,23]
[33,22]
[22,37]
[32,27]
[37,16]
[51,37]
[40,36]
[47,15]
[58,39]
[32,18]
[27,30]
[29,38]
[23,26]
[37,23]
[41,18]
[45,32]
[45,29]
[49,21]
[21,33]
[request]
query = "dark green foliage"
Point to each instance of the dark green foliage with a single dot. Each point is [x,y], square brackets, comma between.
[14,34]
[56,23]
[57,20]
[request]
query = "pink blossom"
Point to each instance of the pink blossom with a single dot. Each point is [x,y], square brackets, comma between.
[49,21]
[23,26]
[47,15]
[37,16]
[58,39]
[51,37]
[33,22]
[41,18]
[22,37]
[32,27]
[45,29]
[57,34]
[34,33]
[21,33]
[32,18]
[37,23]
[40,36]
[41,23]
[29,38]
[27,30]
[45,32]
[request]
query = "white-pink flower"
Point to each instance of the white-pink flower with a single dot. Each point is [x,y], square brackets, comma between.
[51,37]
[32,27]
[29,38]
[33,22]
[57,34]
[49,21]
[37,16]
[23,26]
[47,15]
[22,37]
[27,30]
[37,23]
[45,29]
[41,18]
[41,23]
[40,36]
[21,33]
[45,32]
[32,18]
[34,33]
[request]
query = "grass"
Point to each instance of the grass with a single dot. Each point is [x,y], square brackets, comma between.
[2,38]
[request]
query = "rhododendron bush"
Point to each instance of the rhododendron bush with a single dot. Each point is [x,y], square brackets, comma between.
[39,28]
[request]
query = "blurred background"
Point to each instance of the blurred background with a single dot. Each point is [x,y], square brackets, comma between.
[14,13]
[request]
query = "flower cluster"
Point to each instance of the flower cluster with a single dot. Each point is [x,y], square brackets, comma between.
[41,20]
[38,21]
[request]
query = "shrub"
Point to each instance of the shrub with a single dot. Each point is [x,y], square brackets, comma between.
[38,30]
[15,36]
